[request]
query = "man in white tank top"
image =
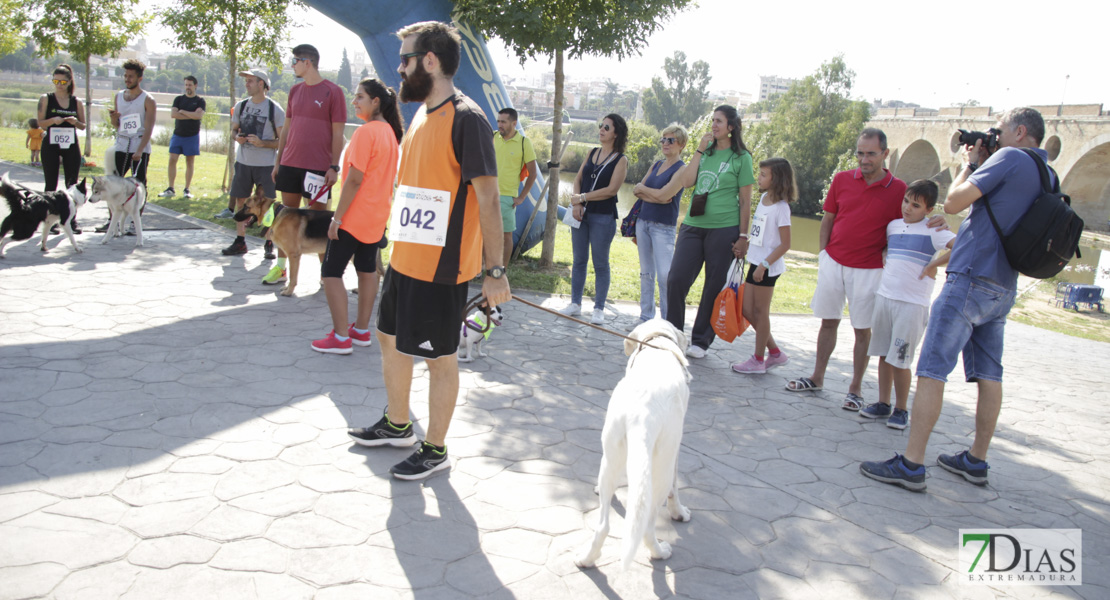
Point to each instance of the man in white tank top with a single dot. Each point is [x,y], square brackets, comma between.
[132,113]
[133,117]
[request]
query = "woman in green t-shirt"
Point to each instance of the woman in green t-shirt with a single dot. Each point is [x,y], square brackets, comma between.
[716,225]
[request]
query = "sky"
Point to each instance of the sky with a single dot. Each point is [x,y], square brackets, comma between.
[938,54]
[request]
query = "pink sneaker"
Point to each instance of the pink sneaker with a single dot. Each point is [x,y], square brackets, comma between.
[330,345]
[752,366]
[774,361]
[359,339]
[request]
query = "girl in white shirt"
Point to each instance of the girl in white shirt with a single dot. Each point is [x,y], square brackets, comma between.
[768,243]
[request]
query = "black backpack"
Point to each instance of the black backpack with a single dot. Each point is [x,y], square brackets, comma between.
[1047,235]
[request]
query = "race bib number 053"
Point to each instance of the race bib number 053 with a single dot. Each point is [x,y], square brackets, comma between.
[419,215]
[129,125]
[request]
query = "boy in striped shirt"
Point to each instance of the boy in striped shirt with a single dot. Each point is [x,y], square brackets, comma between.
[902,300]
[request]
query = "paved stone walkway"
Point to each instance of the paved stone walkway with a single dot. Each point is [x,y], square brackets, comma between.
[166,432]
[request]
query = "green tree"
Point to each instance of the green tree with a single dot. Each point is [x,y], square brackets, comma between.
[682,99]
[12,20]
[814,124]
[343,77]
[568,28]
[84,28]
[240,30]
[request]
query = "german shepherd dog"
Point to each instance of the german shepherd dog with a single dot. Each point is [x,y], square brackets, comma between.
[296,231]
[27,209]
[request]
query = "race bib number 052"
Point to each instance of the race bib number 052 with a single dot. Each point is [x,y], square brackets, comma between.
[63,137]
[419,215]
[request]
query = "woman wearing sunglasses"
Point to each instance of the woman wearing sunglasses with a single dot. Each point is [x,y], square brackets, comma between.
[656,222]
[716,225]
[62,116]
[595,206]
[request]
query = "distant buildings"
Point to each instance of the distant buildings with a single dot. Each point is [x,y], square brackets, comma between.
[773,85]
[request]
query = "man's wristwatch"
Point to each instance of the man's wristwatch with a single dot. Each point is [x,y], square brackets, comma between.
[335,168]
[496,272]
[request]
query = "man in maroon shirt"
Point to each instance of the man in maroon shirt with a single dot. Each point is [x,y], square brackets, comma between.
[859,205]
[311,142]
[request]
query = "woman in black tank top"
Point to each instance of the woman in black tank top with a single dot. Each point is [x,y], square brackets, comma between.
[595,206]
[62,116]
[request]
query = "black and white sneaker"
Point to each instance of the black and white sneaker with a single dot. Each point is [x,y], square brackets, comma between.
[268,248]
[383,433]
[422,463]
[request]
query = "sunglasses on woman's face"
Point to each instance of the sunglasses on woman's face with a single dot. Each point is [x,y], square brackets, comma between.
[666,140]
[61,81]
[604,126]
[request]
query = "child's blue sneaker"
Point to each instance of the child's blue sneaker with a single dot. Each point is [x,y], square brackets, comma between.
[899,419]
[877,410]
[895,472]
[959,464]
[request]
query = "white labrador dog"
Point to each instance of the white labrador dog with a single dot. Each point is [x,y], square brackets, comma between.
[125,198]
[642,433]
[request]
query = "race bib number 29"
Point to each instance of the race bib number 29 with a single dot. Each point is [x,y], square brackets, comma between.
[419,215]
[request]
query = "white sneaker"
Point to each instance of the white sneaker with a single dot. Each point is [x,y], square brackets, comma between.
[695,352]
[572,309]
[598,317]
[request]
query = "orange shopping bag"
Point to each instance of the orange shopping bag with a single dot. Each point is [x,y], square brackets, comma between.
[728,320]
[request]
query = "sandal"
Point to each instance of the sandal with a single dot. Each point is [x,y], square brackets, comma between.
[802,384]
[853,402]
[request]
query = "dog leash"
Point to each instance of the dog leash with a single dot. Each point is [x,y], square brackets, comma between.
[581,322]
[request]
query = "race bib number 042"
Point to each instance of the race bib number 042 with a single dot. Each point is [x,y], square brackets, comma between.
[419,215]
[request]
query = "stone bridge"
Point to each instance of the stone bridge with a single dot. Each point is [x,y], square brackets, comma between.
[923,143]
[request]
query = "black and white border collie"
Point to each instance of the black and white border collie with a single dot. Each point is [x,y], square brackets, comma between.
[27,209]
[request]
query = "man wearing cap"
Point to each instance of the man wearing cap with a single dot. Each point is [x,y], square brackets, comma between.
[256,123]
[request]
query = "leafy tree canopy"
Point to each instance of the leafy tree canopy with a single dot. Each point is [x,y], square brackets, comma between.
[682,98]
[815,125]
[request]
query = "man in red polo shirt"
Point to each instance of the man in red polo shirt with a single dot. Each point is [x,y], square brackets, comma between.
[860,204]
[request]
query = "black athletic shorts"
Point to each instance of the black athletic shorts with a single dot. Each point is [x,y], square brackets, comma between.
[424,317]
[768,281]
[340,252]
[291,180]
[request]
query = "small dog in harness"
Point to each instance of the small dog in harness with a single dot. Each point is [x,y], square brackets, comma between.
[475,333]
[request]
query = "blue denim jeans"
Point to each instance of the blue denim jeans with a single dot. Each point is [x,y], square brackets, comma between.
[968,315]
[655,242]
[593,237]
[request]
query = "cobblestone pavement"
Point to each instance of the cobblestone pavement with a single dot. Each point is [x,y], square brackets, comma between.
[166,432]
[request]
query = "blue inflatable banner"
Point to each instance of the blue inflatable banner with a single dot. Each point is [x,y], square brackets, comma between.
[377,21]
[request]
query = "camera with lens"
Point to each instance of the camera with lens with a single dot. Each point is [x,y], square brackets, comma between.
[990,138]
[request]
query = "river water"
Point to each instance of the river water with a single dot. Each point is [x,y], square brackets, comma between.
[805,234]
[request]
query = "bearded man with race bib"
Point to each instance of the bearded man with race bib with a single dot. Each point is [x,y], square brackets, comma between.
[311,142]
[446,215]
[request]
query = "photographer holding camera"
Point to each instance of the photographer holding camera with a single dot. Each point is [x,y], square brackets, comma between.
[970,313]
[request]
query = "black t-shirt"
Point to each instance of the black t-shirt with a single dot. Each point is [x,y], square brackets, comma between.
[187,127]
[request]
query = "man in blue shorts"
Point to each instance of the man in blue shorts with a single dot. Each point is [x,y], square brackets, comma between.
[970,313]
[187,111]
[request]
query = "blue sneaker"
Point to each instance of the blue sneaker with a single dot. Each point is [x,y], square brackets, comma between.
[895,472]
[898,419]
[877,410]
[960,465]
